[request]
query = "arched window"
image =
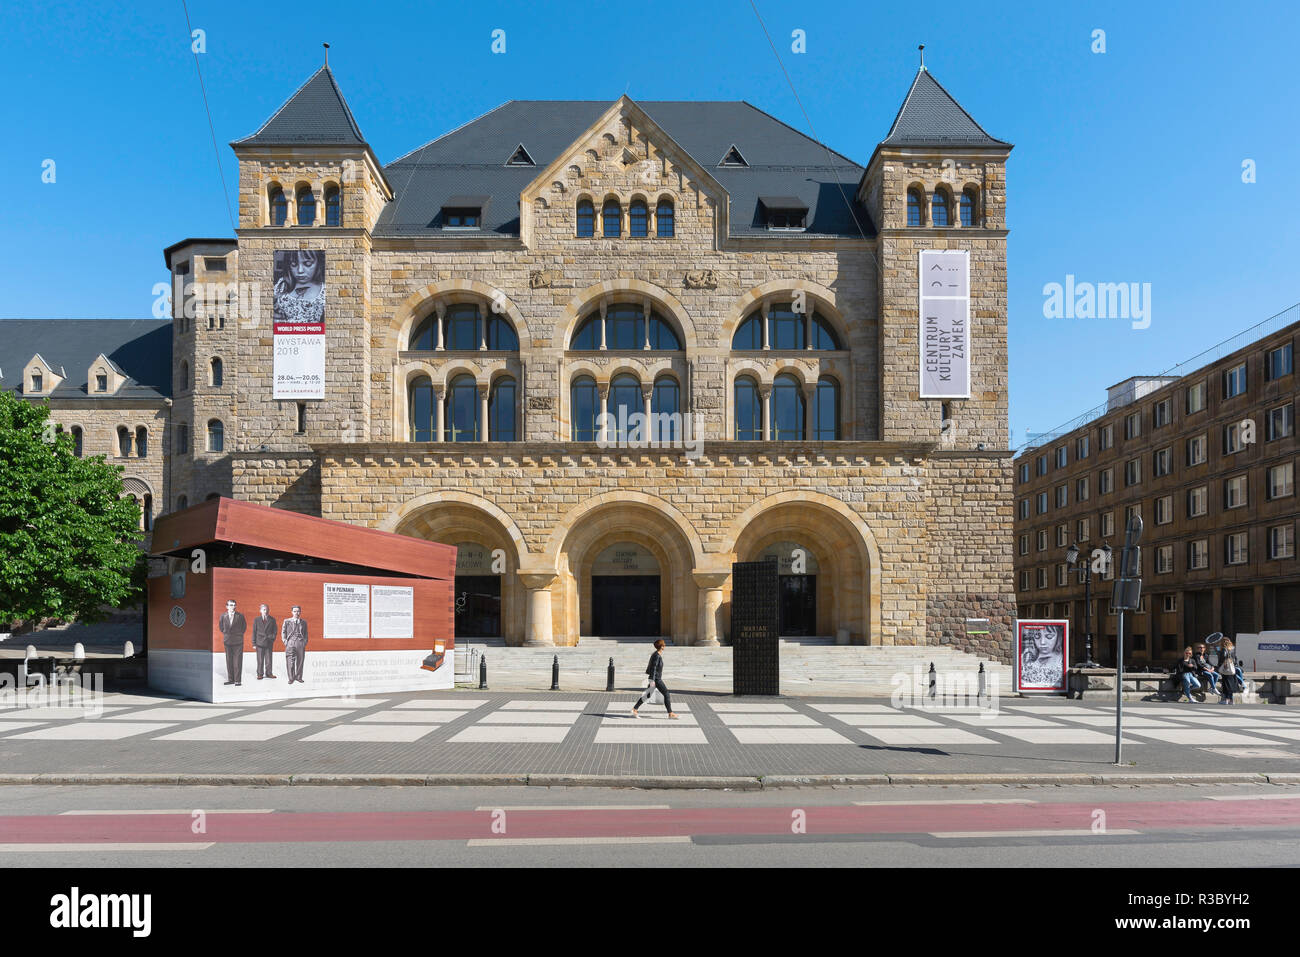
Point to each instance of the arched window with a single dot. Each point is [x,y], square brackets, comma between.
[787,409]
[306,206]
[638,219]
[612,214]
[333,207]
[940,213]
[749,335]
[182,502]
[968,201]
[624,402]
[215,375]
[462,410]
[823,336]
[216,436]
[147,513]
[420,400]
[501,335]
[662,336]
[915,207]
[664,226]
[182,438]
[665,404]
[626,330]
[584,406]
[123,441]
[587,335]
[749,413]
[279,207]
[463,331]
[141,442]
[77,441]
[185,375]
[501,410]
[586,219]
[424,338]
[826,412]
[785,327]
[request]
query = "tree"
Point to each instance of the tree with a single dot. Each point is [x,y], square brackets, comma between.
[69,539]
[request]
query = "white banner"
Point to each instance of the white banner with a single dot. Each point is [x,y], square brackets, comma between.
[944,299]
[392,611]
[347,611]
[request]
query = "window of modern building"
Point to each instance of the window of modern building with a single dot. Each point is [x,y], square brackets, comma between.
[1164,559]
[941,208]
[1280,362]
[501,410]
[1132,425]
[969,204]
[584,407]
[749,417]
[1062,496]
[279,207]
[787,409]
[1164,509]
[1280,422]
[638,219]
[1232,438]
[1234,492]
[306,206]
[665,404]
[141,442]
[1060,575]
[1062,457]
[1041,539]
[1234,381]
[216,436]
[1106,437]
[665,219]
[1197,501]
[1024,505]
[1196,449]
[1062,535]
[1198,554]
[826,414]
[1237,551]
[1162,463]
[1024,580]
[1132,472]
[461,417]
[1081,450]
[216,373]
[1162,413]
[78,438]
[1081,490]
[1105,481]
[1107,524]
[915,207]
[611,215]
[1081,529]
[1129,512]
[1042,577]
[1170,606]
[333,207]
[1281,541]
[1042,503]
[1042,464]
[586,219]
[1281,480]
[1024,544]
[1195,397]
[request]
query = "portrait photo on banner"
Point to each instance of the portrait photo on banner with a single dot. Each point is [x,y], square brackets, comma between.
[1042,654]
[299,285]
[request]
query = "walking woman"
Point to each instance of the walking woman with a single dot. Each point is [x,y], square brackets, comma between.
[655,670]
[1228,672]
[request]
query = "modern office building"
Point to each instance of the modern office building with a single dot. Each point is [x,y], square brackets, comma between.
[1207,459]
[609,348]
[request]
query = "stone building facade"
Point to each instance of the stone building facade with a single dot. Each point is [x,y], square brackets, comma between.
[502,302]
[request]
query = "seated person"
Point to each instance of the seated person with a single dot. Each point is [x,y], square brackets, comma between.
[1207,671]
[1187,671]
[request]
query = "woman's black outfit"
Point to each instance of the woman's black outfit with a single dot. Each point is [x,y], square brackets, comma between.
[655,670]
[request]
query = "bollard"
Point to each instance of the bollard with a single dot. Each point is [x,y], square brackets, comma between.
[482,673]
[609,681]
[980,694]
[555,673]
[128,650]
[933,679]
[79,651]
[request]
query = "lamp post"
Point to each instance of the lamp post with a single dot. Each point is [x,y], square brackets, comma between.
[1072,558]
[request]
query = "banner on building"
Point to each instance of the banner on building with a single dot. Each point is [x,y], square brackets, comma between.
[944,295]
[1042,650]
[298,324]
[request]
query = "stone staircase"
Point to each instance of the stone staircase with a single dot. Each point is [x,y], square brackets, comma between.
[809,666]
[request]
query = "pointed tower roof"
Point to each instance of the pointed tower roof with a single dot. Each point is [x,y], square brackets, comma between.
[930,116]
[316,114]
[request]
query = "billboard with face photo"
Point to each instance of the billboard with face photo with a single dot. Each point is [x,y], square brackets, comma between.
[1042,650]
[298,324]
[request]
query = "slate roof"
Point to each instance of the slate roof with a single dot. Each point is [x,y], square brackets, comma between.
[315,114]
[140,348]
[930,116]
[472,160]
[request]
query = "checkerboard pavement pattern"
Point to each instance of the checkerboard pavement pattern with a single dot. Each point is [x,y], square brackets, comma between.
[595,733]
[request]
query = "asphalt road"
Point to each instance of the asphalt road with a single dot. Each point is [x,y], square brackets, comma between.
[948,826]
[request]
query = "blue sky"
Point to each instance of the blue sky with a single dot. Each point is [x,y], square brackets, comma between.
[1127,167]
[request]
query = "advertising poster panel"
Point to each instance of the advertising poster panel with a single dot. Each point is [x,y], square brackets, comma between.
[1042,651]
[944,298]
[298,324]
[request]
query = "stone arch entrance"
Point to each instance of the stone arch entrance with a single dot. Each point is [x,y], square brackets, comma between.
[841,555]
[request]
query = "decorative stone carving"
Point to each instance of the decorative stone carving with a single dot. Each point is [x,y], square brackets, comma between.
[701,279]
[541,403]
[540,279]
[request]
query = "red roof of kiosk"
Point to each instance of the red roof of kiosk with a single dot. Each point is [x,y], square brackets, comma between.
[243,523]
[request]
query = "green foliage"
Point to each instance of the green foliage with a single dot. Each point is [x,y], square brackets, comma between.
[69,540]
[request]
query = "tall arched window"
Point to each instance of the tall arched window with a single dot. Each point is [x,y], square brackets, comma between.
[141,442]
[662,336]
[77,441]
[182,502]
[182,438]
[501,410]
[968,205]
[665,404]
[123,441]
[586,219]
[216,436]
[215,373]
[823,336]
[279,207]
[147,512]
[915,207]
[787,409]
[584,406]
[940,213]
[333,207]
[501,335]
[185,375]
[664,215]
[462,415]
[424,412]
[424,338]
[749,335]
[638,219]
[826,412]
[749,412]
[626,330]
[612,214]
[306,206]
[624,402]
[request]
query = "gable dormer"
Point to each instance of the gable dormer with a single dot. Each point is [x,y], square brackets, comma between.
[39,377]
[616,178]
[104,377]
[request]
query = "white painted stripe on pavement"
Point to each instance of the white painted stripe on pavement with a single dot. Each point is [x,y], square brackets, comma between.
[952,801]
[1254,797]
[577,807]
[1063,832]
[174,810]
[539,841]
[98,848]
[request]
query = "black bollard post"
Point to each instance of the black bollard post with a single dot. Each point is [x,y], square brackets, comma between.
[933,679]
[609,681]
[980,693]
[555,673]
[482,673]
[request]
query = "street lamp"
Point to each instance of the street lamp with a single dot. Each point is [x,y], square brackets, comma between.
[1072,557]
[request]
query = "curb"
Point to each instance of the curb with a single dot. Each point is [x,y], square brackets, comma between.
[644,781]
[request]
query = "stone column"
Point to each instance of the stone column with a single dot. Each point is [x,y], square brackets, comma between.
[645,325]
[440,396]
[709,631]
[603,389]
[809,411]
[765,313]
[537,626]
[604,306]
[483,434]
[647,394]
[442,315]
[765,410]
